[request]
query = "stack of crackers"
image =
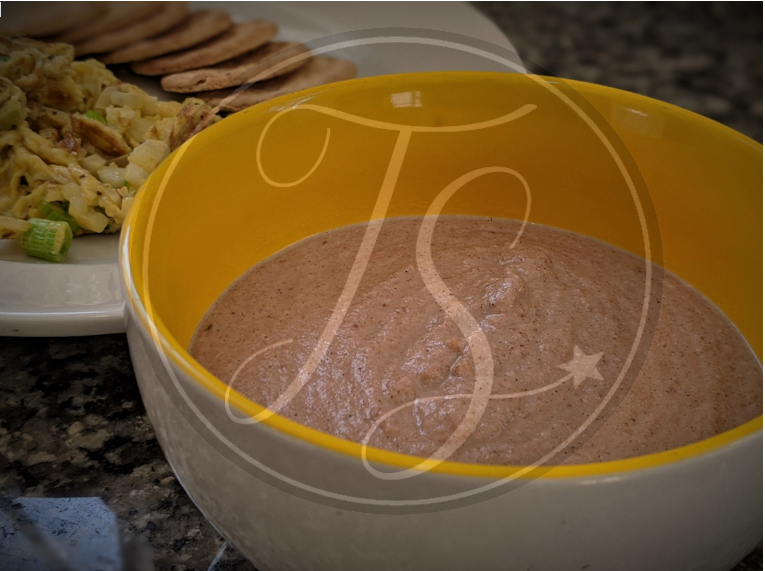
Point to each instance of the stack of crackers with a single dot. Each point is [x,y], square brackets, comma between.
[202,51]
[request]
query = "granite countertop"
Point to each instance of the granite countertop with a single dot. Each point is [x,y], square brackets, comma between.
[705,57]
[71,419]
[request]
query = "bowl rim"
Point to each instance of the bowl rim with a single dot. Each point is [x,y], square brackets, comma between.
[154,326]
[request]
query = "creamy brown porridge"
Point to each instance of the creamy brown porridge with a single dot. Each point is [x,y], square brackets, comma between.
[551,305]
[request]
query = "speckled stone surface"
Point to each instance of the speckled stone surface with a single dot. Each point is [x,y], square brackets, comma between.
[72,424]
[71,418]
[705,57]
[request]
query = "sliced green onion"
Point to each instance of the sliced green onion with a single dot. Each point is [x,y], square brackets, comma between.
[53,211]
[47,239]
[97,116]
[5,58]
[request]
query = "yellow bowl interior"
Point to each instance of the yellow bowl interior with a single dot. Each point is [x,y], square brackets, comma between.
[192,233]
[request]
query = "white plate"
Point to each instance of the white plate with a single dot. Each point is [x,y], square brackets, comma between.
[83,296]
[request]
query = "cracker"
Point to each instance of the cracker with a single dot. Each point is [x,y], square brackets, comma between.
[117,15]
[318,71]
[238,39]
[171,14]
[46,18]
[258,65]
[197,28]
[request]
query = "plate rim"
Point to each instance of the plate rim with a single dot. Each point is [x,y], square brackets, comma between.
[65,320]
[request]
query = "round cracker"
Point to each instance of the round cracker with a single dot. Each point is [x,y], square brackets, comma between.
[197,28]
[117,15]
[46,18]
[266,62]
[318,71]
[171,14]
[238,39]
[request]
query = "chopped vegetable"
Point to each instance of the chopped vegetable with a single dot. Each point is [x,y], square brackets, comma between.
[149,106]
[94,115]
[149,154]
[87,217]
[135,175]
[12,227]
[112,175]
[47,239]
[53,211]
[105,98]
[140,129]
[121,118]
[93,163]
[134,100]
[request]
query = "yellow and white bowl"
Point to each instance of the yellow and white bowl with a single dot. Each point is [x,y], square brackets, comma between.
[646,176]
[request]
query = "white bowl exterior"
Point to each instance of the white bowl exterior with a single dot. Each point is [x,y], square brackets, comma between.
[701,514]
